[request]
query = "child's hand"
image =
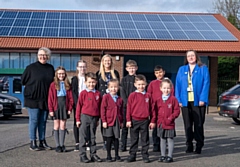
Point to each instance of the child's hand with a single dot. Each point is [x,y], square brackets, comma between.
[69,112]
[129,124]
[78,124]
[180,104]
[152,125]
[51,114]
[104,124]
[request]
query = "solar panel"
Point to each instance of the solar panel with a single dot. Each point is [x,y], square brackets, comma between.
[113,25]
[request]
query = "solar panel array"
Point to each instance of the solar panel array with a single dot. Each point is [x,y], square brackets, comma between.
[112,26]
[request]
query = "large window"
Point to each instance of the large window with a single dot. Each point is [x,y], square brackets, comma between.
[74,60]
[24,60]
[66,61]
[4,60]
[55,60]
[14,60]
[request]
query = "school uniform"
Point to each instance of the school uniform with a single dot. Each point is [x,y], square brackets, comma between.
[60,102]
[154,90]
[88,113]
[167,111]
[140,113]
[112,114]
[127,87]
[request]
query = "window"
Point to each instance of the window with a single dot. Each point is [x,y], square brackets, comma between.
[33,58]
[66,61]
[55,60]
[24,60]
[74,60]
[14,60]
[4,60]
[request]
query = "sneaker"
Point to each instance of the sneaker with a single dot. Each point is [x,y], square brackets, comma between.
[43,145]
[33,146]
[76,147]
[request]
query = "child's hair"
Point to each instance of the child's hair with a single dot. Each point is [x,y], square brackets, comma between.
[56,80]
[198,59]
[140,77]
[102,69]
[131,63]
[158,68]
[80,61]
[113,81]
[90,75]
[167,80]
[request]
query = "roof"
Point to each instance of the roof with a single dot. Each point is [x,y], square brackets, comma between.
[127,45]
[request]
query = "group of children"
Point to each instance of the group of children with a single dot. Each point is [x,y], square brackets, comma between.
[135,108]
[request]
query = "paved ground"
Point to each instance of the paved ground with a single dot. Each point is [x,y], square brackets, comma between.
[222,147]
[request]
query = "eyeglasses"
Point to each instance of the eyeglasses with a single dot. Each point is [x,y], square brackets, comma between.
[61,73]
[42,54]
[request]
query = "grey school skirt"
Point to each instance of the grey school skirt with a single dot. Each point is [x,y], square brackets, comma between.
[166,133]
[61,112]
[112,130]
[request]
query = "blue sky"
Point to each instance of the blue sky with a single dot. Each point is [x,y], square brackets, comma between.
[193,6]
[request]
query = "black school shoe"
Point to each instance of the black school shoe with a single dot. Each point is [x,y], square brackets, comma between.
[58,149]
[189,149]
[118,159]
[146,160]
[64,149]
[130,159]
[162,159]
[198,150]
[84,159]
[109,159]
[33,146]
[76,147]
[168,159]
[95,158]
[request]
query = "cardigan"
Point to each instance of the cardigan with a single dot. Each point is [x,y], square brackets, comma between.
[53,102]
[154,89]
[140,107]
[37,78]
[200,83]
[110,110]
[167,112]
[88,103]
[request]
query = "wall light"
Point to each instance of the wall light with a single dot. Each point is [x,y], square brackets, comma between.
[117,58]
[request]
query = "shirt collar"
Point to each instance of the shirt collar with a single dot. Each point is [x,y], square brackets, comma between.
[94,90]
[114,96]
[144,92]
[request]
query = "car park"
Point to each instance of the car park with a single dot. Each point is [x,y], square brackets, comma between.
[229,103]
[11,105]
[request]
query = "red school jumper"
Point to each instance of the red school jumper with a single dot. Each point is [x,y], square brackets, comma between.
[140,107]
[167,112]
[89,104]
[154,89]
[110,110]
[52,99]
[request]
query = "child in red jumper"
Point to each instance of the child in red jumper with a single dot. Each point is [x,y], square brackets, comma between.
[140,116]
[112,118]
[153,89]
[60,103]
[87,117]
[167,111]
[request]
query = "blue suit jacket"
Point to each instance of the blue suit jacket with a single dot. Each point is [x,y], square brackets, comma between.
[200,83]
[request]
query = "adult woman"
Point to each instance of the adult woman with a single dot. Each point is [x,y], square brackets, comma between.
[192,90]
[104,75]
[78,86]
[37,78]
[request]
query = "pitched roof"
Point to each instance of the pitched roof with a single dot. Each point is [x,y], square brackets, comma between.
[127,45]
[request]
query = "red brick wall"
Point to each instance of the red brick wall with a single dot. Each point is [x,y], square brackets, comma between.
[118,65]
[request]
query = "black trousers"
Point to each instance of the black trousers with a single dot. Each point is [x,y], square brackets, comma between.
[194,118]
[155,138]
[139,127]
[124,130]
[88,123]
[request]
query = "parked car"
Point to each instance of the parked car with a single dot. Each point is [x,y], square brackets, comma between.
[3,80]
[229,103]
[1,108]
[11,105]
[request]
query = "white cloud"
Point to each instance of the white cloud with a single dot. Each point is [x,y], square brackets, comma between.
[113,5]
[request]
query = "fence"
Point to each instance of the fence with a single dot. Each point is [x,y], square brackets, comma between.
[225,83]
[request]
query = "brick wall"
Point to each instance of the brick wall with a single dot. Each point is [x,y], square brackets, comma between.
[118,65]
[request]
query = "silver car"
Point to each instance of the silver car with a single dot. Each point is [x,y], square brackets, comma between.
[229,103]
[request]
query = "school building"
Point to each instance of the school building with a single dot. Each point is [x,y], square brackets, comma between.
[149,38]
